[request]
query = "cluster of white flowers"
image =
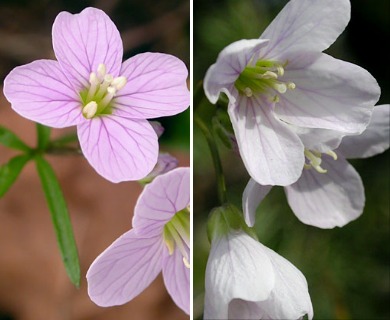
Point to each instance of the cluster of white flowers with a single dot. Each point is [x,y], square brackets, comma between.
[297,114]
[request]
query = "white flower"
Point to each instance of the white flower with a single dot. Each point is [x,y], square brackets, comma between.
[246,280]
[284,79]
[330,193]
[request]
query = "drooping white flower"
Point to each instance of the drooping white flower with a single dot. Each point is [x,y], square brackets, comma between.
[283,79]
[329,192]
[246,280]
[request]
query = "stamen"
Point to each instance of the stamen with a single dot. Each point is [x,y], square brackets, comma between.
[291,85]
[314,158]
[332,154]
[248,92]
[280,70]
[90,109]
[94,81]
[320,169]
[280,87]
[119,82]
[101,71]
[186,263]
[108,97]
[269,75]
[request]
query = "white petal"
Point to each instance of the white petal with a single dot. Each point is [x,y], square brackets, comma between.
[321,140]
[253,194]
[329,94]
[306,25]
[290,298]
[374,140]
[327,200]
[237,268]
[231,61]
[271,152]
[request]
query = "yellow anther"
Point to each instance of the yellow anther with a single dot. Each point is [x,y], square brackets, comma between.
[248,92]
[291,85]
[269,75]
[101,71]
[332,154]
[186,263]
[90,109]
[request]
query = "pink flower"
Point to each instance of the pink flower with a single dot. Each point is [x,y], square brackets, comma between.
[159,240]
[283,79]
[109,101]
[329,192]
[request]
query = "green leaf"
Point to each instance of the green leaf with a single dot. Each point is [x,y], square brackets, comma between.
[11,140]
[43,135]
[10,171]
[60,218]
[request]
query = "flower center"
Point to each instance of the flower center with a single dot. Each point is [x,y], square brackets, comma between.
[263,78]
[98,97]
[177,234]
[314,158]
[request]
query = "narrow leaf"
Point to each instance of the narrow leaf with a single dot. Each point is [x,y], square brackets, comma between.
[10,171]
[43,135]
[11,140]
[60,218]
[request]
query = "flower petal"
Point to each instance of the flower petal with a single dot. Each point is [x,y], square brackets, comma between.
[236,269]
[327,200]
[231,61]
[82,41]
[290,297]
[119,149]
[306,25]
[177,279]
[161,200]
[124,269]
[156,86]
[39,91]
[374,140]
[321,140]
[271,152]
[253,194]
[241,309]
[329,94]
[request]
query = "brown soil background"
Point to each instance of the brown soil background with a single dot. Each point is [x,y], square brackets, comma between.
[33,281]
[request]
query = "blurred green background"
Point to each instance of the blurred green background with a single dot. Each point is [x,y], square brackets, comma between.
[347,269]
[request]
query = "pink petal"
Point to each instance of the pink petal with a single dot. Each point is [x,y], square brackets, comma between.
[177,279]
[220,77]
[82,41]
[39,91]
[306,25]
[156,86]
[329,94]
[271,152]
[124,269]
[161,200]
[253,194]
[119,149]
[327,200]
[374,140]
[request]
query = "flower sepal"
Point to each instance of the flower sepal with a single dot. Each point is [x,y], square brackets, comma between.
[222,220]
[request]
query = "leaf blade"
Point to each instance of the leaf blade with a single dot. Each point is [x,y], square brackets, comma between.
[11,140]
[10,171]
[60,219]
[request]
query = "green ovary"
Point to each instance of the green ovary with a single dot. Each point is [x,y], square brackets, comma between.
[177,234]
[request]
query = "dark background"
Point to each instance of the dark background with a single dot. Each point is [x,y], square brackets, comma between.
[347,269]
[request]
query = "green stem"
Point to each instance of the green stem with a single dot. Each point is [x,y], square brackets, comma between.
[216,159]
